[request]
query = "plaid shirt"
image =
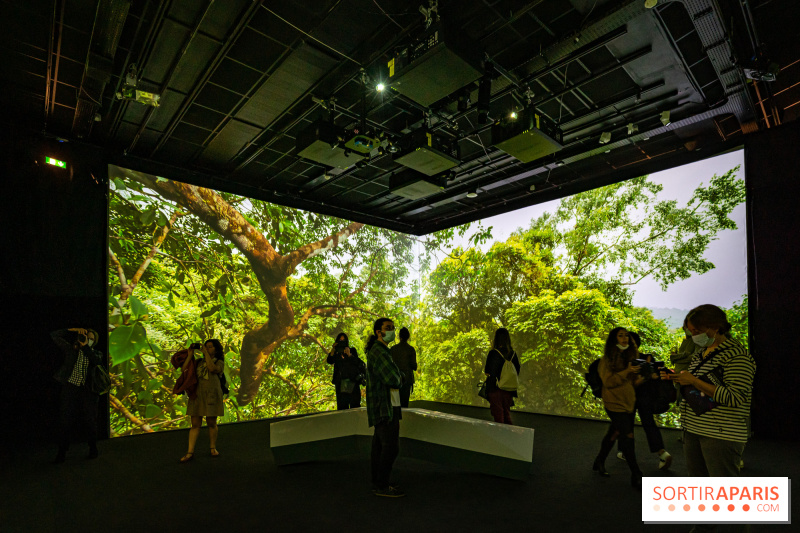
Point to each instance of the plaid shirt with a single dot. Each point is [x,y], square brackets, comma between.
[382,375]
[78,376]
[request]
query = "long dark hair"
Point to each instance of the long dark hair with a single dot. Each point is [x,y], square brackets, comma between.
[502,341]
[613,354]
[346,338]
[218,353]
[375,327]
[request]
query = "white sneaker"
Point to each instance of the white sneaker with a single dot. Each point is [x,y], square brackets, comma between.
[664,461]
[621,456]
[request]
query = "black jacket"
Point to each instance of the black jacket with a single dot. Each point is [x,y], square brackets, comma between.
[494,366]
[344,367]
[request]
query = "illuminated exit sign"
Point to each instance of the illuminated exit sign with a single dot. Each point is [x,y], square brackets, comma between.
[56,162]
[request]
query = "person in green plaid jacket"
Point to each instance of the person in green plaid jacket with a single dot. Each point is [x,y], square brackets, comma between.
[383,407]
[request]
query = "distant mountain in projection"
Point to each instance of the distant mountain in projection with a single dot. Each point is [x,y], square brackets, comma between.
[671,316]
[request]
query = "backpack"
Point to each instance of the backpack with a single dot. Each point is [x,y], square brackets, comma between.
[509,381]
[593,380]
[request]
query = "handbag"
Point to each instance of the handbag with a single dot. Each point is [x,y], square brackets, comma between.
[697,400]
[482,390]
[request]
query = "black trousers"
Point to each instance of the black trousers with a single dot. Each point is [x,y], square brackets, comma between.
[385,447]
[621,426]
[348,400]
[654,440]
[78,410]
[405,394]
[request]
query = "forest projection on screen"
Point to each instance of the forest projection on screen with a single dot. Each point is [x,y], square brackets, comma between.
[276,284]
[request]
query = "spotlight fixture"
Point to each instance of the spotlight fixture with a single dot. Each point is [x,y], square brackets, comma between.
[392,148]
[605,137]
[650,4]
[513,115]
[473,193]
[632,128]
[665,118]
[532,187]
[380,87]
[559,163]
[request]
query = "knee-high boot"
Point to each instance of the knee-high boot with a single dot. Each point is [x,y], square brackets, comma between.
[627,446]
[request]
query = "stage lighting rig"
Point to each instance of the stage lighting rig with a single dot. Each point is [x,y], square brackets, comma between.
[528,137]
[130,91]
[439,62]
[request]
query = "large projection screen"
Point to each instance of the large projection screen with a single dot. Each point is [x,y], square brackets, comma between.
[275,285]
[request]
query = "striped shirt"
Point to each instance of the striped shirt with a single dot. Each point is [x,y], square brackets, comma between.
[732,371]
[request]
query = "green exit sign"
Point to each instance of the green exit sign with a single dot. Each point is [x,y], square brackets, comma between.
[56,162]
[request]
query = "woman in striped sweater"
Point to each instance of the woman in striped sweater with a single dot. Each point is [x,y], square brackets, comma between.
[720,376]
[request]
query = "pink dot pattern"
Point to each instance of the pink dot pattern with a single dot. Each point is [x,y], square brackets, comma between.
[701,507]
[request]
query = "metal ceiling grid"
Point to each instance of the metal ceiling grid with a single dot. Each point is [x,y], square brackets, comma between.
[240,80]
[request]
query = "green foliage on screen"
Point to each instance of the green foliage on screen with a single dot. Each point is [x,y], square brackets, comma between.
[276,284]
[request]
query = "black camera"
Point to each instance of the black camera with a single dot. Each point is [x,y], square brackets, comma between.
[81,337]
[195,346]
[647,368]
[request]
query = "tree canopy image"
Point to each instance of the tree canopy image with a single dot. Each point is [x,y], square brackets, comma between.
[276,284]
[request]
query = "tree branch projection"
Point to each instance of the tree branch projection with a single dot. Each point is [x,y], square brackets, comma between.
[270,268]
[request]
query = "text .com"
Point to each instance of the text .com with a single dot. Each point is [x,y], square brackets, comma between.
[694,500]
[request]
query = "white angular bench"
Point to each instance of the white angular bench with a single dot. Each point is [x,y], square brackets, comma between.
[465,443]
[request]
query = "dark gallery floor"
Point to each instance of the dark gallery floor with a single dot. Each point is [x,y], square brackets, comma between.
[137,484]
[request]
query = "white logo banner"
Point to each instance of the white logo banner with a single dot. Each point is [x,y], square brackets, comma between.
[716,500]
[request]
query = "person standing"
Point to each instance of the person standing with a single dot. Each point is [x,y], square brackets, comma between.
[619,399]
[78,406]
[207,400]
[405,357]
[383,407]
[715,404]
[646,394]
[500,400]
[349,372]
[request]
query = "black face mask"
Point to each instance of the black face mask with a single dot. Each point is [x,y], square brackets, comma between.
[343,343]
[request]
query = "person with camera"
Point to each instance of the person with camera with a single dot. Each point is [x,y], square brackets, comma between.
[349,373]
[207,400]
[78,400]
[646,397]
[405,357]
[619,375]
[715,397]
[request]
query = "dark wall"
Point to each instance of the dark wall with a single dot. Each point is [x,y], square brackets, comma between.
[52,274]
[773,186]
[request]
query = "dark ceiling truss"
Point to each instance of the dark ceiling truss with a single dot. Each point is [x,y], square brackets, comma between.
[240,80]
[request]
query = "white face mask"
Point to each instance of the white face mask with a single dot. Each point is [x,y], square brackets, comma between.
[623,347]
[703,340]
[90,342]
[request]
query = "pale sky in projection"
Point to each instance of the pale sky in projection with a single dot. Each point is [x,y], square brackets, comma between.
[723,285]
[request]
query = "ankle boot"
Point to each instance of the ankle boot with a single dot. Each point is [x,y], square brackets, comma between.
[600,467]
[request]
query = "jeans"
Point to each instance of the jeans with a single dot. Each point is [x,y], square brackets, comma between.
[500,402]
[385,447]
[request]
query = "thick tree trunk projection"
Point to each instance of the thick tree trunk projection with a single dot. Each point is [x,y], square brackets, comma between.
[271,269]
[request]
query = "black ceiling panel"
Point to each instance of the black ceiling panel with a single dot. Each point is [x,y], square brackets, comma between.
[239,81]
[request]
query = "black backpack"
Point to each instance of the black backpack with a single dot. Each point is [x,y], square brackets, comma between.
[223,383]
[593,380]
